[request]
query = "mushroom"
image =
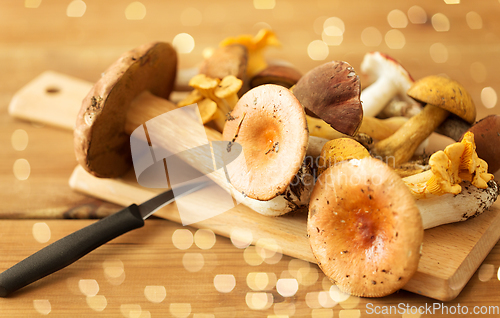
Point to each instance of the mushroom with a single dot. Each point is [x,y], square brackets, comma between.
[255,46]
[127,96]
[389,79]
[227,60]
[364,228]
[269,124]
[224,93]
[443,96]
[102,144]
[486,134]
[331,92]
[283,75]
[338,150]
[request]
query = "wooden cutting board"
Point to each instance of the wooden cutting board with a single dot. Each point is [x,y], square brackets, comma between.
[450,255]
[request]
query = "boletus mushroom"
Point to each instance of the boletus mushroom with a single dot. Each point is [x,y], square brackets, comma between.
[331,92]
[101,136]
[442,97]
[364,228]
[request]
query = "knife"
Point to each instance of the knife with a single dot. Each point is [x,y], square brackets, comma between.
[71,248]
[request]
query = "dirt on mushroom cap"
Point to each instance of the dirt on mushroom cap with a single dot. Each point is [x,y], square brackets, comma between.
[364,228]
[269,123]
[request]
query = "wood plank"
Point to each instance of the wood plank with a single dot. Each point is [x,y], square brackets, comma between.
[450,255]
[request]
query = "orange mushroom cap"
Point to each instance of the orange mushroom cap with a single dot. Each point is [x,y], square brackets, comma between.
[270,125]
[364,228]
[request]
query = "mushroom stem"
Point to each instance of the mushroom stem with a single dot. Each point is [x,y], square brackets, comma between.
[376,96]
[453,127]
[401,145]
[376,128]
[451,208]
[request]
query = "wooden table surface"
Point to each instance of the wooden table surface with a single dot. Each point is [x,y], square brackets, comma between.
[165,269]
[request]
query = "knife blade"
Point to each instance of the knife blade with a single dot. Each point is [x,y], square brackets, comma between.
[71,248]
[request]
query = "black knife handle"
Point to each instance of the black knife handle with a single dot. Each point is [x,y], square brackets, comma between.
[69,249]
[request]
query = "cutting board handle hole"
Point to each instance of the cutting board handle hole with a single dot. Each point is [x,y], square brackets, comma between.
[52,90]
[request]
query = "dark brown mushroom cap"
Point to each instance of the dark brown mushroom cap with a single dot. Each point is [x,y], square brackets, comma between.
[227,60]
[101,145]
[331,91]
[487,138]
[364,228]
[283,75]
[270,125]
[446,93]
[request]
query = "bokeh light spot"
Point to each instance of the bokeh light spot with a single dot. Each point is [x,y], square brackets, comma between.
[241,238]
[440,22]
[474,20]
[42,306]
[41,232]
[19,139]
[224,283]
[318,50]
[182,239]
[21,169]
[489,97]
[438,52]
[287,287]
[33,4]
[337,295]
[371,36]
[334,22]
[204,239]
[332,35]
[417,15]
[193,262]
[131,310]
[180,310]
[76,9]
[395,39]
[321,313]
[135,11]
[350,313]
[259,301]
[397,19]
[97,302]
[264,4]
[183,43]
[155,294]
[252,257]
[88,287]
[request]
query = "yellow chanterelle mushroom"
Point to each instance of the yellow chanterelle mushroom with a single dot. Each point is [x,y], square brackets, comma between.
[458,162]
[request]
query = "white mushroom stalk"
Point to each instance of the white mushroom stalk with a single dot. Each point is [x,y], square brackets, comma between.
[389,78]
[450,208]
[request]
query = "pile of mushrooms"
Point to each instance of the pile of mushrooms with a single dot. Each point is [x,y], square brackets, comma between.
[311,143]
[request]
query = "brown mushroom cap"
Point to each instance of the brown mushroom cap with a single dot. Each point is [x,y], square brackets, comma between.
[445,93]
[270,125]
[487,138]
[331,91]
[283,75]
[364,228]
[226,60]
[101,145]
